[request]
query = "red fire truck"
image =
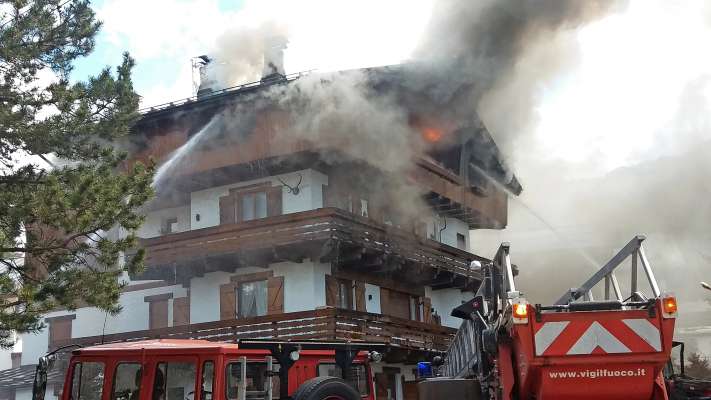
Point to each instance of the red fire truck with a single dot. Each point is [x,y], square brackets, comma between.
[614,348]
[172,369]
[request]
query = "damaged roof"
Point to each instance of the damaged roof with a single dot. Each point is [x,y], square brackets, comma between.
[472,153]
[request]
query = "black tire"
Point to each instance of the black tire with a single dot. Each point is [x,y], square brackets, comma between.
[325,387]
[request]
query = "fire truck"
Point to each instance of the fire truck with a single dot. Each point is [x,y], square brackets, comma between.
[578,348]
[167,369]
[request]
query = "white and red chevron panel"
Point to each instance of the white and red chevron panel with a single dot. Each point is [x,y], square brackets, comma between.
[601,336]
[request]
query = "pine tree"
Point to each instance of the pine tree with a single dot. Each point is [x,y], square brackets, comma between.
[698,366]
[64,184]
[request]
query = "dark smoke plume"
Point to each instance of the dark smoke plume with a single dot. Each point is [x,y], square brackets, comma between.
[479,46]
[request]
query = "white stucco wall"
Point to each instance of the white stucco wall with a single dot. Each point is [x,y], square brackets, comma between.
[5,361]
[304,284]
[89,321]
[372,298]
[26,394]
[444,300]
[449,230]
[449,234]
[154,221]
[206,202]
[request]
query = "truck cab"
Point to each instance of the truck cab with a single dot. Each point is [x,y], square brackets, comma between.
[201,370]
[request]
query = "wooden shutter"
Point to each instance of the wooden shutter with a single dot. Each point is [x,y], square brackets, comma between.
[228,301]
[60,330]
[395,303]
[331,291]
[426,310]
[158,317]
[329,196]
[384,301]
[275,295]
[360,296]
[158,314]
[274,201]
[181,311]
[227,209]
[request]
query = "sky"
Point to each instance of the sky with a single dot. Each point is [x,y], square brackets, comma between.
[613,105]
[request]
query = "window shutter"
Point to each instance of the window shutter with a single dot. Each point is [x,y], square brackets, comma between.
[275,295]
[384,301]
[274,201]
[426,310]
[360,296]
[181,311]
[328,196]
[227,209]
[228,301]
[158,314]
[331,291]
[60,330]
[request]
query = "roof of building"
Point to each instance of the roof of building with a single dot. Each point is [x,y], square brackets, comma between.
[397,79]
[23,376]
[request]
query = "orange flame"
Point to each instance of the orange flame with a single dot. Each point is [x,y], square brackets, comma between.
[432,135]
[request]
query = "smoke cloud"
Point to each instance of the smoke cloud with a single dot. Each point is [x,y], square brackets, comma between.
[659,191]
[239,54]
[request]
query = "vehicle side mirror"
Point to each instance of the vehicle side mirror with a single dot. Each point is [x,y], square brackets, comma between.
[39,386]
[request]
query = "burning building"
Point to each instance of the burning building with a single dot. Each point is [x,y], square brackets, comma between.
[320,206]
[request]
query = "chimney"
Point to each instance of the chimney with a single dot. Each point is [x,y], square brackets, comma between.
[274,58]
[207,83]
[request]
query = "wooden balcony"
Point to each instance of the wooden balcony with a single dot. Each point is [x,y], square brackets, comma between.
[403,336]
[326,235]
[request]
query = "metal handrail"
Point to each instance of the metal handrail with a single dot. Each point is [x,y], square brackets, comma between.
[237,88]
[633,249]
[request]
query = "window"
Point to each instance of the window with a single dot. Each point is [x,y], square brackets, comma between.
[208,377]
[87,381]
[364,208]
[339,293]
[345,294]
[252,299]
[127,382]
[257,376]
[414,309]
[461,241]
[174,381]
[254,205]
[169,225]
[254,202]
[356,377]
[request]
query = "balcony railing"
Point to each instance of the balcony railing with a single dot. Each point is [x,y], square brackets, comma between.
[322,324]
[308,226]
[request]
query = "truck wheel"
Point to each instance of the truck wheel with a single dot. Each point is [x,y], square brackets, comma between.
[326,388]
